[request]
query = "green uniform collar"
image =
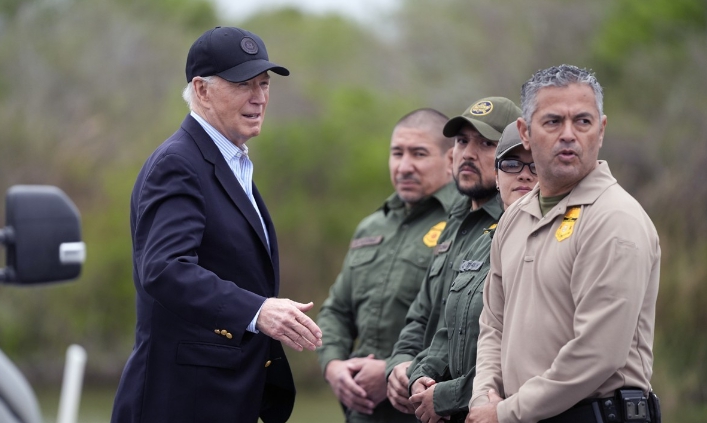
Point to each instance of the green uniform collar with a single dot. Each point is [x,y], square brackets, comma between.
[494,207]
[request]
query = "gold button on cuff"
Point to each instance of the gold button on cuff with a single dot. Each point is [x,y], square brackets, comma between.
[268,363]
[229,336]
[217,331]
[224,331]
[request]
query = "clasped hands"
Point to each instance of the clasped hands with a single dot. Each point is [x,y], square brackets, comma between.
[420,403]
[359,383]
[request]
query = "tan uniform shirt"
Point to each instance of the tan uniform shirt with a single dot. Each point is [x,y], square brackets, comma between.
[569,302]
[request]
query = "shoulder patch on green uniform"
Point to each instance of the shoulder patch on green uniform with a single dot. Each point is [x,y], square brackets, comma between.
[432,236]
[567,225]
[366,241]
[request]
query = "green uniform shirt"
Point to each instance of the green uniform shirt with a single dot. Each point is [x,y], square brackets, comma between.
[423,318]
[451,358]
[380,278]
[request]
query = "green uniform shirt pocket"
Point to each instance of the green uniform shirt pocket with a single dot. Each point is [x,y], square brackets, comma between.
[412,272]
[437,264]
[362,256]
[462,280]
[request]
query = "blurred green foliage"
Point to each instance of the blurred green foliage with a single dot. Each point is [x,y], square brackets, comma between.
[88,88]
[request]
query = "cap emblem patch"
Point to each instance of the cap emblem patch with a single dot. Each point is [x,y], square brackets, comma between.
[481,108]
[249,45]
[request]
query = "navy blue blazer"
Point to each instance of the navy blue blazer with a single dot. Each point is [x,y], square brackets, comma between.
[202,268]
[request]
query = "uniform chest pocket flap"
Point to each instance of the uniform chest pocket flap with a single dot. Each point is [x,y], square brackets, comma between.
[437,264]
[463,280]
[362,256]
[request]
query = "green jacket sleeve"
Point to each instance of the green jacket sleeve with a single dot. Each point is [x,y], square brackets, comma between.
[411,339]
[433,361]
[337,322]
[452,396]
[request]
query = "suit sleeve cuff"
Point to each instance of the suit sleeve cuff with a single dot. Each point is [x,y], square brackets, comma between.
[251,326]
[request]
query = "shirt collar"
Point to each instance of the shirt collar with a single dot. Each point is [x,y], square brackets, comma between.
[587,191]
[493,207]
[226,147]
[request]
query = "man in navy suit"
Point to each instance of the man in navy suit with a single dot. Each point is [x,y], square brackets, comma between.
[205,259]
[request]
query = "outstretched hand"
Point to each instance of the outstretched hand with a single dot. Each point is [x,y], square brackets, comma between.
[284,320]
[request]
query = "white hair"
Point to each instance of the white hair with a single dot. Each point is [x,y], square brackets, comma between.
[188,92]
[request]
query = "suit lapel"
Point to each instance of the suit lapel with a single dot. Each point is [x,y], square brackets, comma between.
[240,199]
[274,254]
[225,176]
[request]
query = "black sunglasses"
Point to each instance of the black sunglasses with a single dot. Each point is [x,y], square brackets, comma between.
[515,166]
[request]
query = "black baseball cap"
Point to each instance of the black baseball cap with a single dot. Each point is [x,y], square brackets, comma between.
[489,116]
[234,54]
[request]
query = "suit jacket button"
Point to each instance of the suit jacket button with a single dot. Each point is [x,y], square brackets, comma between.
[217,331]
[228,335]
[268,363]
[224,331]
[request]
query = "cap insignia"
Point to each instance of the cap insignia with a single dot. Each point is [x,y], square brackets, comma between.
[481,108]
[249,45]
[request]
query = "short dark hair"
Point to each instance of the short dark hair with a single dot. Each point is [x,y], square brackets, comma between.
[430,119]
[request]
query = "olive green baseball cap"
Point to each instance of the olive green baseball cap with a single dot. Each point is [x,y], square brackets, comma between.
[510,139]
[489,116]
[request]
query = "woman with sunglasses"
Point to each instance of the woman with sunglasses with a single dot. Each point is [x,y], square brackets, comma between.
[449,366]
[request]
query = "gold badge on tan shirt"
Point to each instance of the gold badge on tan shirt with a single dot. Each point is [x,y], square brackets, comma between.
[432,236]
[567,225]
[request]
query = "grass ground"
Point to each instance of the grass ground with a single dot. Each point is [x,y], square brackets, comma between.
[96,404]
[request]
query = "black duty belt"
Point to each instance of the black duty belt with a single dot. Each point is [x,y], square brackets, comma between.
[628,405]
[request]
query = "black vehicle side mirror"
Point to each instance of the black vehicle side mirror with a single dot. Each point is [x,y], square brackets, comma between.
[42,236]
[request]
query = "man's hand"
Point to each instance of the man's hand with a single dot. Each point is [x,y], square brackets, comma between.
[339,374]
[398,388]
[485,413]
[371,377]
[421,385]
[285,321]
[423,400]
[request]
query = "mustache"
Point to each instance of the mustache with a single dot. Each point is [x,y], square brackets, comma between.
[468,165]
[405,178]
